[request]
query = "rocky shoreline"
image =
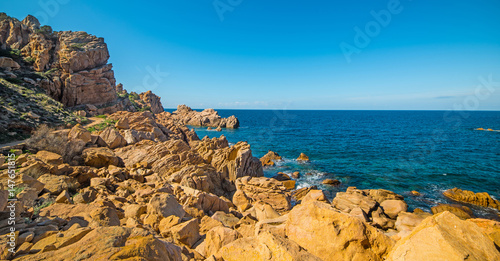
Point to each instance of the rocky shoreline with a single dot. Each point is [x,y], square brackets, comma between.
[148,187]
[137,184]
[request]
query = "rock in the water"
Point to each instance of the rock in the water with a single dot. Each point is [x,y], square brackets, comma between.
[205,118]
[269,158]
[481,199]
[331,235]
[303,157]
[331,182]
[445,237]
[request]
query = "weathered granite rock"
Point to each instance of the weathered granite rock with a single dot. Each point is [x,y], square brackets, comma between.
[8,63]
[152,101]
[269,158]
[113,138]
[263,189]
[112,243]
[481,199]
[303,157]
[462,212]
[100,157]
[331,235]
[265,246]
[490,228]
[13,33]
[165,204]
[237,161]
[445,237]
[218,237]
[206,118]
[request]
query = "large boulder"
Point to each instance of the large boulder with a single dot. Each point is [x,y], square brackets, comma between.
[8,63]
[49,157]
[110,243]
[113,138]
[332,235]
[265,246]
[270,191]
[186,233]
[165,204]
[56,184]
[445,237]
[218,237]
[100,157]
[78,132]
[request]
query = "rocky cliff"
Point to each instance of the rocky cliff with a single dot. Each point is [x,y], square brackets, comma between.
[72,67]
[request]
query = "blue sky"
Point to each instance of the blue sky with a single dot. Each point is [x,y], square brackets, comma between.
[288,55]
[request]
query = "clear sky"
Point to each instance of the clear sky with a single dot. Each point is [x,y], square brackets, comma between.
[256,54]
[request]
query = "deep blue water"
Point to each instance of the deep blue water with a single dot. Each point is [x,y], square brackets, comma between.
[427,151]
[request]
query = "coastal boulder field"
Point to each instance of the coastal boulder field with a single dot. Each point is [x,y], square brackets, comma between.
[115,177]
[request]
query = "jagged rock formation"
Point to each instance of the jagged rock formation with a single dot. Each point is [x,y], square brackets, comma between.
[152,101]
[206,118]
[481,199]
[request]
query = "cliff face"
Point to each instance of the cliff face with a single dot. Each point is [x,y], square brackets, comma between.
[80,72]
[74,65]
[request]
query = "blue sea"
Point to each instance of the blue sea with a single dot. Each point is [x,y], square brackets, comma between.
[426,151]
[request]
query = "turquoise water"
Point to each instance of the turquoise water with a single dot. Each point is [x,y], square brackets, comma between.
[426,151]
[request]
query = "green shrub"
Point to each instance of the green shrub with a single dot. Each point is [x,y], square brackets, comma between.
[16,191]
[77,46]
[45,204]
[29,60]
[102,116]
[103,125]
[145,108]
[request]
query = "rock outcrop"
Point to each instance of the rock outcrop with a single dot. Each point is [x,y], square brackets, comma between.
[152,101]
[378,206]
[72,67]
[206,118]
[481,199]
